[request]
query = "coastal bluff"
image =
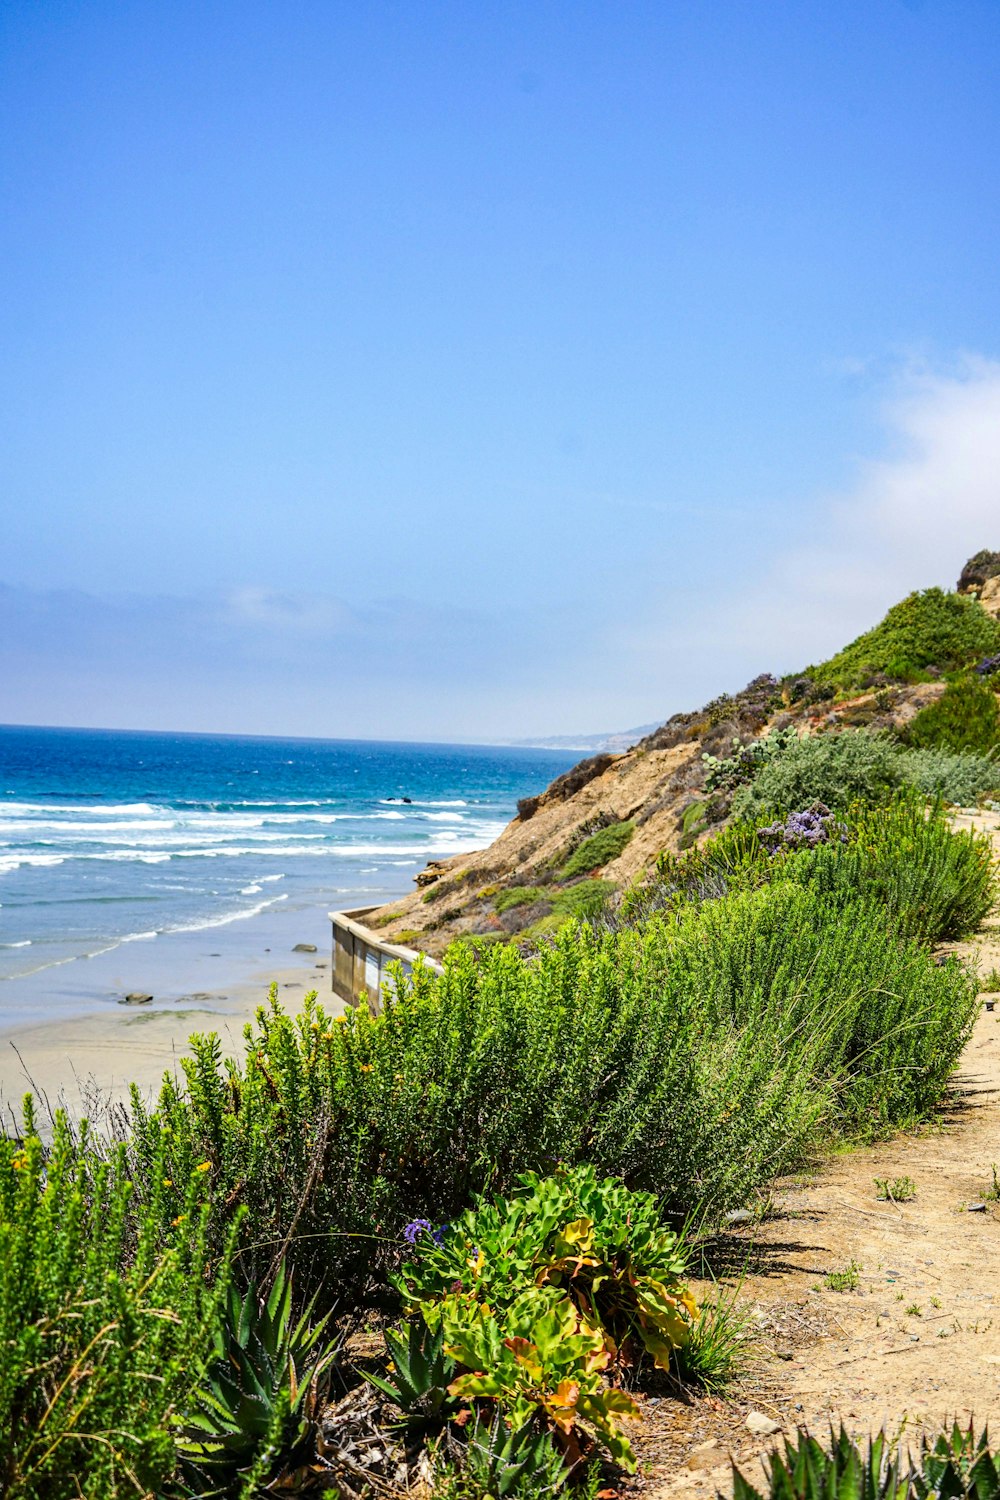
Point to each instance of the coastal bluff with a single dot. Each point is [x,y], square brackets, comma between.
[603,824]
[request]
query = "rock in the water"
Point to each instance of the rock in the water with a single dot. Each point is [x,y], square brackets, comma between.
[761,1425]
[304,948]
[135,998]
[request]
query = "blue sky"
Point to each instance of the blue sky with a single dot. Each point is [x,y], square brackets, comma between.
[463,371]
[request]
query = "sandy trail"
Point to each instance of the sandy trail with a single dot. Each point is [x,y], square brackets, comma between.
[917,1341]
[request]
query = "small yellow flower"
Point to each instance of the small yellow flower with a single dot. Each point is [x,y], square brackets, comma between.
[340,1019]
[168,1182]
[328,1036]
[179,1220]
[19,1162]
[204,1166]
[366,1067]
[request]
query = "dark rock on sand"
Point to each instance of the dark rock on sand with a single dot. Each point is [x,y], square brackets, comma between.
[135,998]
[304,948]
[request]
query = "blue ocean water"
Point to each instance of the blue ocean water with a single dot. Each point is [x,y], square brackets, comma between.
[109,838]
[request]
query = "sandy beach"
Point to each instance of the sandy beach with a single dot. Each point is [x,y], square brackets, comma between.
[92,1046]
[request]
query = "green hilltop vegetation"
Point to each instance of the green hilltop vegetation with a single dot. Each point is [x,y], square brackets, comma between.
[931,629]
[453,1242]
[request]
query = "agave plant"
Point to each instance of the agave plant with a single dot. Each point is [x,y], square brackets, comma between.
[422,1373]
[808,1471]
[505,1461]
[956,1466]
[253,1416]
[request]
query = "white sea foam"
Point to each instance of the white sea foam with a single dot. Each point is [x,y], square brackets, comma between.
[251,890]
[92,809]
[233,916]
[9,862]
[448,802]
[25,944]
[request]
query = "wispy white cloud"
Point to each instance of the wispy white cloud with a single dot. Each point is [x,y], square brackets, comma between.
[910,519]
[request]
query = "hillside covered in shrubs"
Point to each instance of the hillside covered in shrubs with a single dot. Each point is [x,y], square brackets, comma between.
[450,1247]
[912,702]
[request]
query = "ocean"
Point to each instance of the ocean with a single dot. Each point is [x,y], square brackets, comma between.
[113,840]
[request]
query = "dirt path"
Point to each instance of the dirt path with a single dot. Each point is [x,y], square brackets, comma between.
[913,1339]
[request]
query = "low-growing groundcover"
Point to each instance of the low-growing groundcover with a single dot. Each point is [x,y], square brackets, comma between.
[781,997]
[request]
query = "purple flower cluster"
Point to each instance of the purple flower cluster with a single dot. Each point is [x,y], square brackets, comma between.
[417,1227]
[803,830]
[988,666]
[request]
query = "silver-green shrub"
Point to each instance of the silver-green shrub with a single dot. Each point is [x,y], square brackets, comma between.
[958,777]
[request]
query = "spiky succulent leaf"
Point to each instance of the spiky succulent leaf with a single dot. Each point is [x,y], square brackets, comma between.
[258,1394]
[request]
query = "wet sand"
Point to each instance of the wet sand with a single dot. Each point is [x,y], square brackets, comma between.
[90,1046]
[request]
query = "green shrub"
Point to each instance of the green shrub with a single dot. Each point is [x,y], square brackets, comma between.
[336,1133]
[928,629]
[106,1316]
[518,895]
[965,717]
[937,882]
[837,769]
[541,1292]
[735,859]
[885,1024]
[746,760]
[583,899]
[541,1362]
[694,1058]
[598,850]
[960,779]
[596,1241]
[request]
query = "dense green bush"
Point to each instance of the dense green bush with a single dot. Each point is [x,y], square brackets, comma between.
[585,898]
[598,850]
[928,629]
[735,859]
[837,769]
[937,883]
[335,1133]
[107,1312]
[957,778]
[965,717]
[693,1058]
[885,1023]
